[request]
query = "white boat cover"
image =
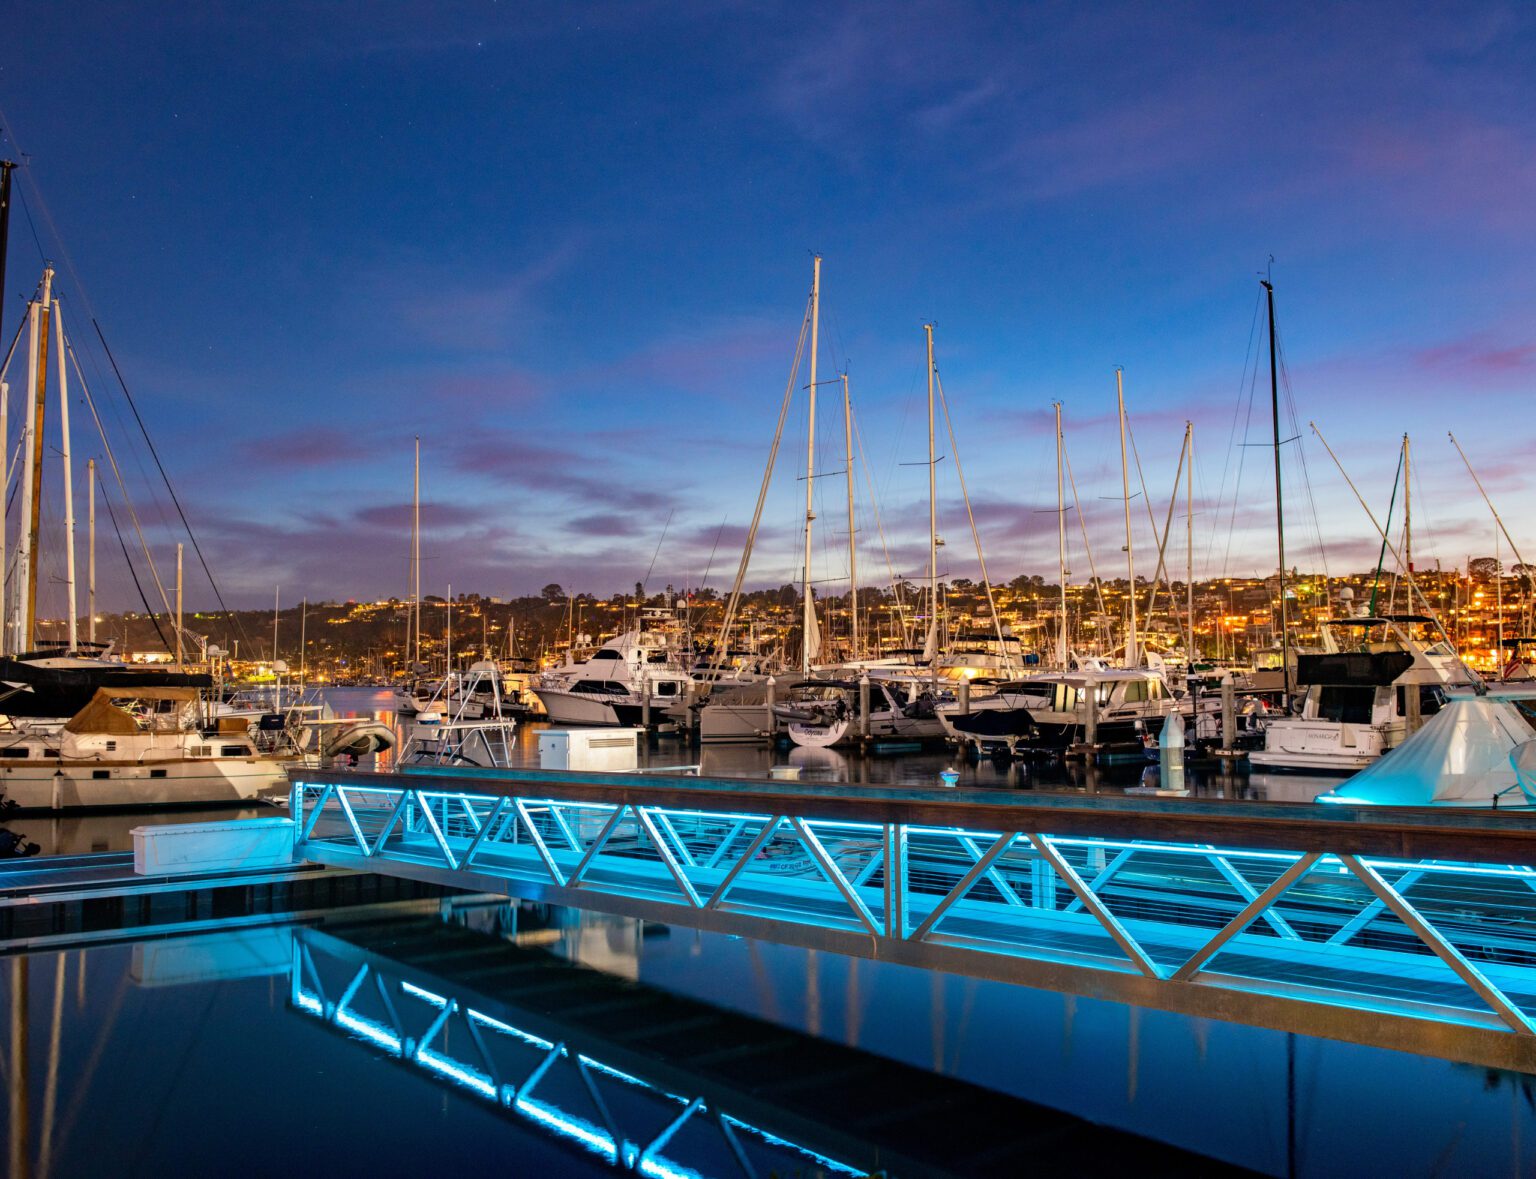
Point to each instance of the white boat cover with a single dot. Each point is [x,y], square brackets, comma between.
[1461,757]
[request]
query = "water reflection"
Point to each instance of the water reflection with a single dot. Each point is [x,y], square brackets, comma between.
[153,1056]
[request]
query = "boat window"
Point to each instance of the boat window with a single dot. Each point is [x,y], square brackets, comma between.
[16,751]
[1136,691]
[202,751]
[233,751]
[607,687]
[1346,703]
[101,773]
[606,654]
[1066,698]
[1430,699]
[666,688]
[157,773]
[656,657]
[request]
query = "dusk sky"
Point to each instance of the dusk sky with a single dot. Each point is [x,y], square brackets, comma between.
[569,245]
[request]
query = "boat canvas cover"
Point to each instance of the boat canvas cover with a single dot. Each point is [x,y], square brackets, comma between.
[102,716]
[1359,669]
[1461,757]
[37,690]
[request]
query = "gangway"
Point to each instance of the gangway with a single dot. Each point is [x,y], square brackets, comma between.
[1414,930]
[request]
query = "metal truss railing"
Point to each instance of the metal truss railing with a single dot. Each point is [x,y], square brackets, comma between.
[1362,942]
[625,1120]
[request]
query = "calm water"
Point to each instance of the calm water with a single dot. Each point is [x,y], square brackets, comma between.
[211,1054]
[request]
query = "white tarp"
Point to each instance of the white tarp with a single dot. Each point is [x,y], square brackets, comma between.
[1461,757]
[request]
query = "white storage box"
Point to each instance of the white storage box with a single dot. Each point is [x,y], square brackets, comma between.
[614,751]
[232,844]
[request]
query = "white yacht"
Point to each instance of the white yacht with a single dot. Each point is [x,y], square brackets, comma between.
[1357,700]
[1116,710]
[615,683]
[142,747]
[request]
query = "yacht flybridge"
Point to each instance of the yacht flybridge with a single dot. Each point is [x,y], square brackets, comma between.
[630,675]
[1364,698]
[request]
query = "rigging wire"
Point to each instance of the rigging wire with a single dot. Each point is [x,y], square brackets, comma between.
[155,454]
[132,572]
[954,449]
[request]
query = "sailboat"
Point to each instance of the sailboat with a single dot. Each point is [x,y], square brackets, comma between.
[79,729]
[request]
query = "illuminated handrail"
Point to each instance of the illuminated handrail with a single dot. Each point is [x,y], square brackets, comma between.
[1150,920]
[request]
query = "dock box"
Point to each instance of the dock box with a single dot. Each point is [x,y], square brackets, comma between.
[614,751]
[227,845]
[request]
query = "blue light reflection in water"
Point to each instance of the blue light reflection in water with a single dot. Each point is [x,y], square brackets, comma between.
[1262,1099]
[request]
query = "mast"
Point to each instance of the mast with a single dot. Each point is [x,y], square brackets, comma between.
[1274,410]
[931,648]
[414,638]
[1061,547]
[809,643]
[32,474]
[1132,655]
[1408,507]
[277,591]
[5,495]
[6,167]
[90,558]
[1189,540]
[69,484]
[853,566]
[180,660]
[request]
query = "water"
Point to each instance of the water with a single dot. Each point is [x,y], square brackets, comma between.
[197,1055]
[211,1053]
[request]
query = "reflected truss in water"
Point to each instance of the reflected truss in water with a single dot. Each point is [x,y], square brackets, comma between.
[624,1119]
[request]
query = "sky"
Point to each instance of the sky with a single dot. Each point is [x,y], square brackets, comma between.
[568,246]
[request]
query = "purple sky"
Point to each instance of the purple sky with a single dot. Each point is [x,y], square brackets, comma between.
[569,246]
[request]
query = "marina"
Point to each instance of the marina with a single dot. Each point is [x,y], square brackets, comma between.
[767,591]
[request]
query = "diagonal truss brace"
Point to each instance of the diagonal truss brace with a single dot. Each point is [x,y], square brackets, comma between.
[1091,902]
[1444,950]
[1245,917]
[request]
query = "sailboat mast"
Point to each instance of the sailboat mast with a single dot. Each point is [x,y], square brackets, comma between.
[930,648]
[69,483]
[5,396]
[808,607]
[90,556]
[6,167]
[415,635]
[1189,540]
[1061,547]
[1408,507]
[1274,410]
[1132,655]
[853,565]
[180,654]
[36,413]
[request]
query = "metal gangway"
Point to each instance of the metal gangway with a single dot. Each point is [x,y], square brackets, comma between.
[1410,929]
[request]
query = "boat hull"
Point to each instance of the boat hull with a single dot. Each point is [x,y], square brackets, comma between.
[55,784]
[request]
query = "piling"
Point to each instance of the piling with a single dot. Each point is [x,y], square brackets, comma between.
[864,705]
